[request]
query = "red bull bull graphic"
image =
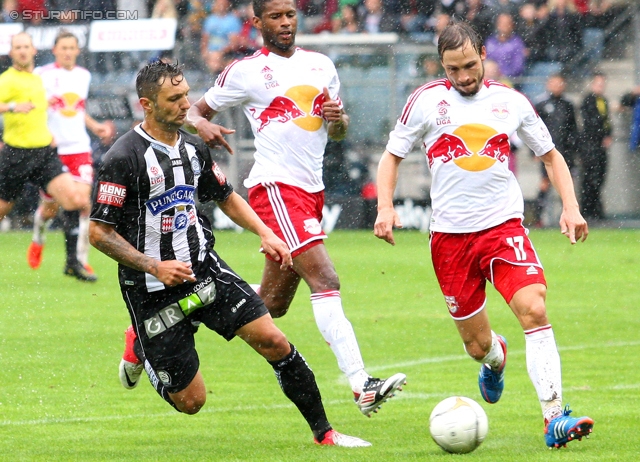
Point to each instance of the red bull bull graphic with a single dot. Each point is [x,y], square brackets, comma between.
[68,104]
[316,106]
[447,148]
[472,147]
[301,104]
[497,147]
[281,109]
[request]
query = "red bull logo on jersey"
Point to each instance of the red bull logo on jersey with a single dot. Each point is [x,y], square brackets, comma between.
[447,148]
[281,110]
[67,104]
[179,195]
[472,147]
[500,110]
[301,105]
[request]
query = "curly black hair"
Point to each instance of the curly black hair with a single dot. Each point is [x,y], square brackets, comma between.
[151,77]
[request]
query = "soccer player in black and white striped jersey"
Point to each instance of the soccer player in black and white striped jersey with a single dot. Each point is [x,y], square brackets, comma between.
[144,216]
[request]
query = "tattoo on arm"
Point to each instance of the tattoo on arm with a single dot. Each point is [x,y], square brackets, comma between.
[115,246]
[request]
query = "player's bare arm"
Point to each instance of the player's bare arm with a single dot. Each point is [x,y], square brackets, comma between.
[22,108]
[105,238]
[236,208]
[101,130]
[338,120]
[199,116]
[386,181]
[572,224]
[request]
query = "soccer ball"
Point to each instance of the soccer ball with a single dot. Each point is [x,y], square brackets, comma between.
[458,424]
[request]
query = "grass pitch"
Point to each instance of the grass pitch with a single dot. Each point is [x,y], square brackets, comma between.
[61,341]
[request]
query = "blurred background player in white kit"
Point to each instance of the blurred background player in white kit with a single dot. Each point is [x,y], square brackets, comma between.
[290,97]
[67,87]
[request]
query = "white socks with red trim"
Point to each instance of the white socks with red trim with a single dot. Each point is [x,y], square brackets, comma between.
[338,333]
[543,364]
[495,357]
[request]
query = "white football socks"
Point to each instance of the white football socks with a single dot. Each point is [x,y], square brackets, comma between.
[495,357]
[39,227]
[543,364]
[83,240]
[338,333]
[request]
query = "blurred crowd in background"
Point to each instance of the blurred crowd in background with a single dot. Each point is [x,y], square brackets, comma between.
[525,37]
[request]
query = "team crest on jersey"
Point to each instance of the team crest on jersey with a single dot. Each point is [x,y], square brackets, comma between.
[312,226]
[164,377]
[219,175]
[442,107]
[155,175]
[180,221]
[195,165]
[452,304]
[500,110]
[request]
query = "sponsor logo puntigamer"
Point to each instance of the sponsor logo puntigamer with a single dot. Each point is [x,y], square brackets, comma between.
[178,195]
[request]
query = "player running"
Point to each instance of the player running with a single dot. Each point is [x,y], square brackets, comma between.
[464,123]
[144,216]
[27,155]
[67,87]
[290,97]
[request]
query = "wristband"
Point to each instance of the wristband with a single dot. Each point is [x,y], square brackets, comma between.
[12,106]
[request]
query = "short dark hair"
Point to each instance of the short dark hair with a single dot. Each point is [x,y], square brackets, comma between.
[258,7]
[151,77]
[456,35]
[63,34]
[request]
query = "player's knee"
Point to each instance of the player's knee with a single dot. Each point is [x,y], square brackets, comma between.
[277,306]
[477,349]
[191,405]
[275,346]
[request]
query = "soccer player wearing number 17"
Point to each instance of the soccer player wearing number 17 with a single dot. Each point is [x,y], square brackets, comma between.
[464,123]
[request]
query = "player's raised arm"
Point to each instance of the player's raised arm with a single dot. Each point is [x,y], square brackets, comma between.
[104,237]
[199,116]
[236,208]
[572,224]
[386,183]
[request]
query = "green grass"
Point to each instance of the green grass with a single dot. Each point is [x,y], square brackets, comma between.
[61,341]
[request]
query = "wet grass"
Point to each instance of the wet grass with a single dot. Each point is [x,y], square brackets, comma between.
[61,340]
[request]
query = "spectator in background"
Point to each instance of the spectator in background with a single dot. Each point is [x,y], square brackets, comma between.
[376,18]
[506,47]
[481,17]
[216,32]
[631,100]
[563,33]
[492,71]
[37,8]
[528,28]
[245,42]
[347,21]
[441,22]
[558,114]
[596,139]
[450,7]
[164,9]
[595,17]
[415,15]
[505,6]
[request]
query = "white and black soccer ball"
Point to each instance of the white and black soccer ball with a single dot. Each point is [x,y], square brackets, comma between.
[458,424]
